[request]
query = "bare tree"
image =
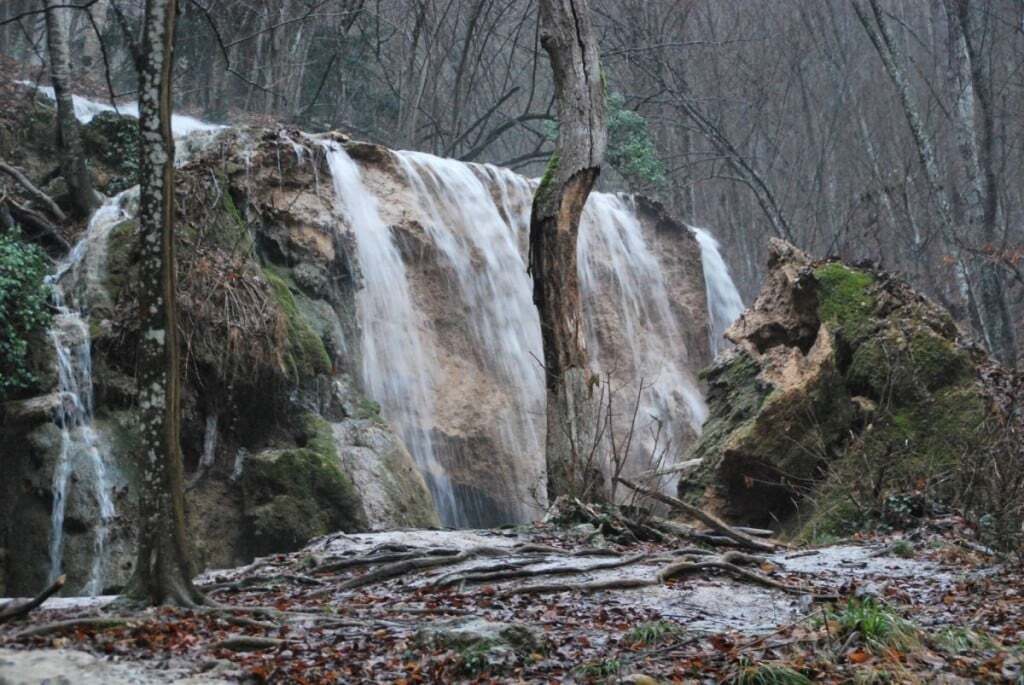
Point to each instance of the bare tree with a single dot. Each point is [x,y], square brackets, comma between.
[163,571]
[568,37]
[72,157]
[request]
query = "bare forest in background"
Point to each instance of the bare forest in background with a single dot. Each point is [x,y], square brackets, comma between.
[881,130]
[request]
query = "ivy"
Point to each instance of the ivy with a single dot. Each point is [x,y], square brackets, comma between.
[24,309]
[630,150]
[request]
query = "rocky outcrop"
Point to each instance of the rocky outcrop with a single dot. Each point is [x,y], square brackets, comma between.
[281,439]
[845,388]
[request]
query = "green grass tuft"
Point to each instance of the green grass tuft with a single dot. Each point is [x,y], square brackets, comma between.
[652,632]
[767,673]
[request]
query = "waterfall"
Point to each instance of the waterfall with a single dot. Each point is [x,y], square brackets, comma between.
[451,338]
[86,110]
[481,246]
[397,369]
[623,288]
[724,302]
[82,448]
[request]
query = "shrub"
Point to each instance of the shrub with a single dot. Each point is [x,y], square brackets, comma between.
[23,309]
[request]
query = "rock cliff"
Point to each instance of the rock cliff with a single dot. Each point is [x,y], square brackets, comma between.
[306,410]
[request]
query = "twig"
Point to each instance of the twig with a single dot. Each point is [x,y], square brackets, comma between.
[250,643]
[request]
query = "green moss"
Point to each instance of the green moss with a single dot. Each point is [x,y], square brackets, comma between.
[122,244]
[306,356]
[294,494]
[113,141]
[549,176]
[845,299]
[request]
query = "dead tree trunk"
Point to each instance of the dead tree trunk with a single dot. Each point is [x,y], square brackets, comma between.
[568,38]
[163,571]
[72,156]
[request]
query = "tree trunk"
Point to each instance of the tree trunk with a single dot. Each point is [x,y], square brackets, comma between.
[970,82]
[72,157]
[568,38]
[163,571]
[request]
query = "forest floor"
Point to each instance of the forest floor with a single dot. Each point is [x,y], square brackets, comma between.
[550,604]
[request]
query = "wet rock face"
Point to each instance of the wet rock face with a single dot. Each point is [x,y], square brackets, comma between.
[842,379]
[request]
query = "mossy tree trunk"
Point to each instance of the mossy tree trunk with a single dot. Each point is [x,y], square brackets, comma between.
[568,37]
[163,570]
[72,156]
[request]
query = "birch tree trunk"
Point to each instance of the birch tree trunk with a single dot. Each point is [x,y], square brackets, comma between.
[72,156]
[163,570]
[568,37]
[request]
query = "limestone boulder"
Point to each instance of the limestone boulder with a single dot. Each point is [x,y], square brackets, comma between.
[845,386]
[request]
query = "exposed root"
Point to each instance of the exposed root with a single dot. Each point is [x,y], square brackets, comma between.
[595,586]
[508,574]
[720,564]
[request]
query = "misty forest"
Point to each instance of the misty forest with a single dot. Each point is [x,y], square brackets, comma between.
[526,341]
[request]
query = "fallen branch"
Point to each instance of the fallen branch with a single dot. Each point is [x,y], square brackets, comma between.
[100,622]
[39,195]
[707,519]
[250,643]
[14,609]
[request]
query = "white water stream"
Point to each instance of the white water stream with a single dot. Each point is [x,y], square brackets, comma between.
[82,459]
[724,302]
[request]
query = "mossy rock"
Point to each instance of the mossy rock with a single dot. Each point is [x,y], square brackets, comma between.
[306,356]
[112,141]
[297,493]
[906,366]
[845,299]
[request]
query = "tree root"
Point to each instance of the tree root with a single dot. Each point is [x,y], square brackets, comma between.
[482,577]
[728,562]
[14,609]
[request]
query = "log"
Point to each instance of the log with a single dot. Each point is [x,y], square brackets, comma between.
[14,609]
[707,519]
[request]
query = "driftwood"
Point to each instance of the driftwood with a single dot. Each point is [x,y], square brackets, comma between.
[742,539]
[14,609]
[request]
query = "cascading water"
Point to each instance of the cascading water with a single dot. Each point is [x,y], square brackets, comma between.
[481,246]
[397,369]
[86,110]
[724,302]
[82,446]
[474,222]
[621,280]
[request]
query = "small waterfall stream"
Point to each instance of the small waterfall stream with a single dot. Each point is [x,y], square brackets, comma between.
[724,302]
[397,369]
[82,448]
